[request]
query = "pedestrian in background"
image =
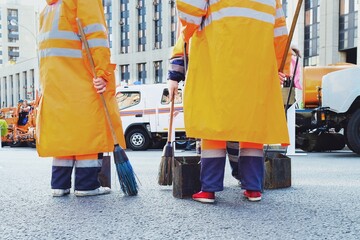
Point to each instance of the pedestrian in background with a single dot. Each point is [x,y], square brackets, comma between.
[232,90]
[71,124]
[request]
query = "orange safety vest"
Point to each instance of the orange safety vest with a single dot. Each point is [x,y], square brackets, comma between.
[71,119]
[232,89]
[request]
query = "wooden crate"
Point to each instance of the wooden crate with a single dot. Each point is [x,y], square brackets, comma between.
[277,170]
[186,176]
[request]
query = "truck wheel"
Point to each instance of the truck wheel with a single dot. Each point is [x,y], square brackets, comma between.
[31,144]
[137,139]
[15,144]
[353,132]
[347,141]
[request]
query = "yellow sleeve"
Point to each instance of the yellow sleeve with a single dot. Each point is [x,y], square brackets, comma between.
[280,38]
[91,14]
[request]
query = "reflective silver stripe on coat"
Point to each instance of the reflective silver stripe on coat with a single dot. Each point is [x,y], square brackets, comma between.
[88,163]
[271,3]
[279,13]
[190,18]
[58,162]
[98,42]
[177,68]
[62,35]
[280,31]
[96,27]
[240,12]
[251,152]
[213,153]
[196,3]
[60,52]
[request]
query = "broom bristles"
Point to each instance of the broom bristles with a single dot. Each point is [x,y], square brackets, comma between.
[165,171]
[127,178]
[125,172]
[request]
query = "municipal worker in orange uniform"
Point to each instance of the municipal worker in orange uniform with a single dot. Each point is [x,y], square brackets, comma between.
[71,124]
[232,90]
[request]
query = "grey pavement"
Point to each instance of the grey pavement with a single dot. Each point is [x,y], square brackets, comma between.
[323,203]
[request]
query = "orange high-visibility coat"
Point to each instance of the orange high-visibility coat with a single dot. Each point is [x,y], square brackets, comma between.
[71,119]
[232,89]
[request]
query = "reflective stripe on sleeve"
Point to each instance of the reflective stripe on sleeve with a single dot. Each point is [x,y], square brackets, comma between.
[198,3]
[271,3]
[280,31]
[190,18]
[98,42]
[60,52]
[97,27]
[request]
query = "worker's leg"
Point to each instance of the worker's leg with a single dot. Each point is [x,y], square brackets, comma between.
[213,157]
[61,175]
[87,168]
[232,149]
[251,166]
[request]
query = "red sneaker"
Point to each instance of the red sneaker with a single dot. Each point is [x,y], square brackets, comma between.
[204,197]
[252,196]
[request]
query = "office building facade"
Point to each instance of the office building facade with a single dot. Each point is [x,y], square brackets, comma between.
[143,32]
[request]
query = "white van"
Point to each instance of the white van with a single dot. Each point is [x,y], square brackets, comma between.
[144,111]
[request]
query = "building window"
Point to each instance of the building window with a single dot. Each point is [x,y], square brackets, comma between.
[141,69]
[284,6]
[141,11]
[157,24]
[124,73]
[13,33]
[18,86]
[11,90]
[13,54]
[348,24]
[32,85]
[312,32]
[25,84]
[5,103]
[173,23]
[158,70]
[124,26]
[108,18]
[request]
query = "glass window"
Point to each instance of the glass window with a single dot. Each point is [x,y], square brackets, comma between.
[127,99]
[165,98]
[312,32]
[348,22]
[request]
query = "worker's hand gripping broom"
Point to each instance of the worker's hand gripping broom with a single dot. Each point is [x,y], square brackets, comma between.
[124,169]
[167,158]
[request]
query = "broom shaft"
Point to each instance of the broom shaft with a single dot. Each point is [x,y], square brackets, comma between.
[171,117]
[291,33]
[92,66]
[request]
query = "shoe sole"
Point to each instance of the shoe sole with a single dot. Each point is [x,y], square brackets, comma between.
[60,195]
[204,200]
[254,199]
[89,194]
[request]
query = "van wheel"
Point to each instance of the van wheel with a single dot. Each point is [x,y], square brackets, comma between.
[137,139]
[353,132]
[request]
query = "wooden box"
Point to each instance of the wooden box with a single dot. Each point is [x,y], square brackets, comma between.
[277,170]
[186,176]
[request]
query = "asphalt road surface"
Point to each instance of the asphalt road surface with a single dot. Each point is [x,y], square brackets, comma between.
[322,203]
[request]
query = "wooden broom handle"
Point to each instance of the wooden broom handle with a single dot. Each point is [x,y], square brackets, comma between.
[291,33]
[172,99]
[92,66]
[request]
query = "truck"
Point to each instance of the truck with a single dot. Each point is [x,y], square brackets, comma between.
[21,126]
[144,111]
[331,117]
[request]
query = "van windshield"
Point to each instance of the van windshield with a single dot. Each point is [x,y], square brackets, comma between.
[127,99]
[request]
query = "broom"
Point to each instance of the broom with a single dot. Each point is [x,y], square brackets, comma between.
[124,169]
[165,170]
